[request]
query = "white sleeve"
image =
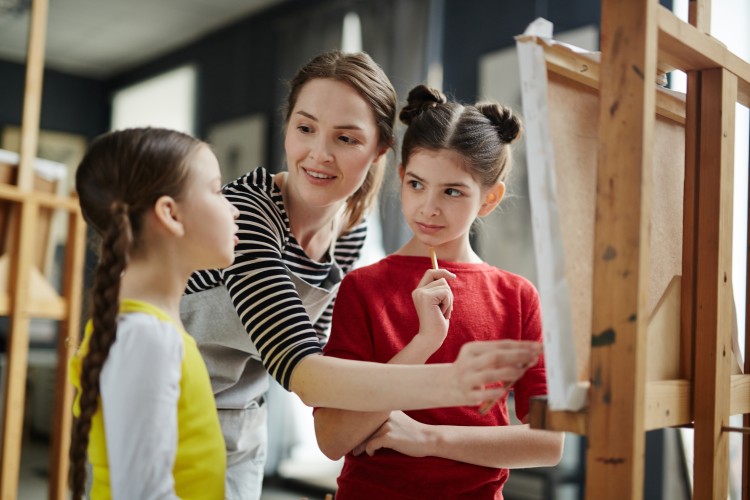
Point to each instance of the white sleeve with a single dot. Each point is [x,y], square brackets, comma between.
[140,389]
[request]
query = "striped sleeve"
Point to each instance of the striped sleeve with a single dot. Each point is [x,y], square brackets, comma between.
[348,250]
[266,300]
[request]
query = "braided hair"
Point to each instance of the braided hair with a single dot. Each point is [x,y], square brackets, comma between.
[121,176]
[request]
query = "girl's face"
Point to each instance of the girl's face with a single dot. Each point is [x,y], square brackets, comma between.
[208,217]
[440,199]
[331,141]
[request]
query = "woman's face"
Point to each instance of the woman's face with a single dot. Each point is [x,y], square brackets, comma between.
[331,141]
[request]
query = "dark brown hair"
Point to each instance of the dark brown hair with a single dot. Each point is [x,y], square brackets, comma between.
[121,177]
[360,72]
[481,133]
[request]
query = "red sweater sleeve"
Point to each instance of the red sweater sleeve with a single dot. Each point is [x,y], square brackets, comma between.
[534,381]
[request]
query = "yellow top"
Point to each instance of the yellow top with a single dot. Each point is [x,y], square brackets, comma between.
[199,459]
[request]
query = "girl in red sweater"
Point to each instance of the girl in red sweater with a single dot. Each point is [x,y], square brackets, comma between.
[454,162]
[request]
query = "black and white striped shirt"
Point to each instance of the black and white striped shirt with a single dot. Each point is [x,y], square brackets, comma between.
[263,294]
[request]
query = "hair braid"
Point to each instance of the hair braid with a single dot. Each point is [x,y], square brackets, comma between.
[114,252]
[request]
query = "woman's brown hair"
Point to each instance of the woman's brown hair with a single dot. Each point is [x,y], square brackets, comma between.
[121,177]
[360,72]
[481,134]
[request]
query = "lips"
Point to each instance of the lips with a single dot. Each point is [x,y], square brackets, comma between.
[428,228]
[318,174]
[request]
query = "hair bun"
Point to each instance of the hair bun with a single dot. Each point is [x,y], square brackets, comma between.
[507,124]
[421,98]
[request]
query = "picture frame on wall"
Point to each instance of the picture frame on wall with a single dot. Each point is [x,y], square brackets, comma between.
[239,145]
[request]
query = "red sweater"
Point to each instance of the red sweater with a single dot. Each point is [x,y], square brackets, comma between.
[374,318]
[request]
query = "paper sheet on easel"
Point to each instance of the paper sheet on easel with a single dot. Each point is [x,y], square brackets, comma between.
[564,391]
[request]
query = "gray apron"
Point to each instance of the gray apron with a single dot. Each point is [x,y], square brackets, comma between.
[238,378]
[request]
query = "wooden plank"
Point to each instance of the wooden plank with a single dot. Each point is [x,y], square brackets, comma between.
[18,348]
[67,342]
[689,226]
[542,417]
[739,397]
[579,68]
[682,46]
[713,347]
[668,404]
[12,193]
[32,94]
[699,14]
[614,466]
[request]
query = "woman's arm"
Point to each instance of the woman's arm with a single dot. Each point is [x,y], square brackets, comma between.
[360,385]
[513,446]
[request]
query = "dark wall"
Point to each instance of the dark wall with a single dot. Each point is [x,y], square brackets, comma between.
[69,103]
[490,25]
[474,28]
[236,69]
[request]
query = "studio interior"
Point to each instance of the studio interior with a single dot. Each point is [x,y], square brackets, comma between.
[647,367]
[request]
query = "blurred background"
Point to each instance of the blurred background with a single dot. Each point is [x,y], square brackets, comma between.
[218,69]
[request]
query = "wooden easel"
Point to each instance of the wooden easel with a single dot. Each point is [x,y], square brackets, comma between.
[637,37]
[23,300]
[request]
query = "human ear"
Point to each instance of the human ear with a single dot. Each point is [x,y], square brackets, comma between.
[492,199]
[381,153]
[401,171]
[168,215]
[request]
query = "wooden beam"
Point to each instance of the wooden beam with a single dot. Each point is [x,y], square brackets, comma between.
[67,342]
[615,459]
[18,349]
[32,94]
[684,47]
[577,67]
[668,404]
[713,347]
[699,14]
[542,417]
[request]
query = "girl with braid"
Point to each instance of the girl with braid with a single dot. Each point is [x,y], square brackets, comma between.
[454,162]
[301,231]
[146,417]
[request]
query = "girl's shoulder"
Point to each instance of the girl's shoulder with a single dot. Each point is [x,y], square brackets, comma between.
[149,331]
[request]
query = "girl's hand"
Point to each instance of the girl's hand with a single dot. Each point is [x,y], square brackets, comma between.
[433,301]
[400,433]
[480,365]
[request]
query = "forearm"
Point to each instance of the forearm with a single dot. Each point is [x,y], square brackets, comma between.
[340,431]
[416,352]
[330,382]
[512,447]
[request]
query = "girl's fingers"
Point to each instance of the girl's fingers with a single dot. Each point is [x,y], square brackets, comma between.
[434,275]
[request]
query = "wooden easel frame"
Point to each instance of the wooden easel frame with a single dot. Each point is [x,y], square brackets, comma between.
[638,36]
[22,304]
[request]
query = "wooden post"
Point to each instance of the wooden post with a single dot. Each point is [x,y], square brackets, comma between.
[713,323]
[22,258]
[67,343]
[614,467]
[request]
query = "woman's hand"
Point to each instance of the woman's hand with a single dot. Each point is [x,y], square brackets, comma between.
[433,301]
[481,365]
[400,433]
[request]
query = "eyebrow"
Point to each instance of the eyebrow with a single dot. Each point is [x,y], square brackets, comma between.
[345,127]
[448,184]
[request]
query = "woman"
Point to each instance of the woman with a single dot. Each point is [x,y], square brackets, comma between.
[300,232]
